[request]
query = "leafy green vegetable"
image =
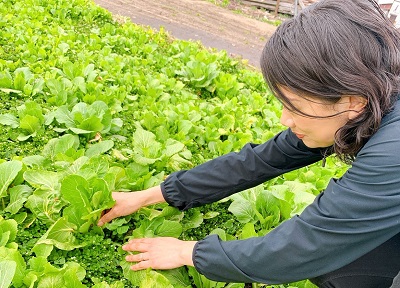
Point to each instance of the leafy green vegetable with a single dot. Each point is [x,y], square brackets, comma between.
[8,172]
[91,106]
[13,255]
[7,271]
[84,118]
[87,200]
[8,232]
[200,74]
[60,234]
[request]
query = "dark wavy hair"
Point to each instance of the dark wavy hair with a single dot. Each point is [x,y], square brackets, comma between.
[335,48]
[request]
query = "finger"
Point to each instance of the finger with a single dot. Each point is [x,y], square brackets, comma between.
[105,211]
[141,265]
[107,217]
[140,245]
[140,257]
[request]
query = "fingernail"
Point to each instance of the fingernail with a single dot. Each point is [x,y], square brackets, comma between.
[100,223]
[124,247]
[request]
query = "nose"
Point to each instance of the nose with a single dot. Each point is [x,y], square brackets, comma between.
[286,118]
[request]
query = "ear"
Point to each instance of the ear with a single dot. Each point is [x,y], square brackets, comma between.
[356,105]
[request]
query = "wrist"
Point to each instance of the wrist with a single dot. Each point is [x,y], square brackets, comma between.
[152,196]
[186,255]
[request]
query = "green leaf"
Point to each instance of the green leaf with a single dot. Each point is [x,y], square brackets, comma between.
[80,83]
[16,257]
[53,280]
[193,221]
[4,237]
[5,81]
[89,125]
[37,86]
[134,277]
[10,91]
[45,205]
[42,250]
[57,91]
[34,160]
[88,72]
[46,180]
[73,276]
[75,190]
[96,167]
[70,69]
[200,281]
[169,229]
[220,232]
[173,147]
[19,81]
[87,200]
[178,277]
[248,231]
[8,172]
[31,108]
[211,214]
[60,145]
[10,120]
[64,116]
[99,148]
[146,149]
[227,122]
[7,271]
[8,226]
[30,123]
[61,235]
[155,280]
[243,210]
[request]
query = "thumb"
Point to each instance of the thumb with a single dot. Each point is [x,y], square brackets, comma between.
[106,218]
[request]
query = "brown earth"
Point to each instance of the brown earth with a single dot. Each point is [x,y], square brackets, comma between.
[235,30]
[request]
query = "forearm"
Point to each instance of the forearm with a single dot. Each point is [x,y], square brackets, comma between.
[234,172]
[151,196]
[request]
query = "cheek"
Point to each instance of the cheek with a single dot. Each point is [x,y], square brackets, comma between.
[327,131]
[321,127]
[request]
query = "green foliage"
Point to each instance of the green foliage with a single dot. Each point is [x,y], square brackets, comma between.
[8,172]
[256,206]
[7,272]
[90,106]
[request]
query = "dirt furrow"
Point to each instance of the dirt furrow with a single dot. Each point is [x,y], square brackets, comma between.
[198,20]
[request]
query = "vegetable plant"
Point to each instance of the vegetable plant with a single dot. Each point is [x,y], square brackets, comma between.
[90,106]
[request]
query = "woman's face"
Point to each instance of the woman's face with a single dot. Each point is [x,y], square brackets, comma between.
[315,132]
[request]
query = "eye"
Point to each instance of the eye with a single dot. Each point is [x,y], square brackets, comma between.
[292,110]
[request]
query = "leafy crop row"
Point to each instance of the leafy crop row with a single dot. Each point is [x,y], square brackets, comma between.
[90,106]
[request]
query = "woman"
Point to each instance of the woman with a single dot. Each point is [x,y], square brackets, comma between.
[336,69]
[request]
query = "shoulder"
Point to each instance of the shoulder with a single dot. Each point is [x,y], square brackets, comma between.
[387,137]
[379,159]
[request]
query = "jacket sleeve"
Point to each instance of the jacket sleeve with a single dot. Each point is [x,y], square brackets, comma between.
[234,172]
[354,215]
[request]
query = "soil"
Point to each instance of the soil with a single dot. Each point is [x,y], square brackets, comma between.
[239,29]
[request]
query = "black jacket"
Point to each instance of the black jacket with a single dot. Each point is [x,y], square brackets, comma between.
[354,214]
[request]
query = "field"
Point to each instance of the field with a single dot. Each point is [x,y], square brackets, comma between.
[90,106]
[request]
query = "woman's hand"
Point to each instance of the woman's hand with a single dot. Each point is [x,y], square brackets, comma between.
[159,253]
[129,202]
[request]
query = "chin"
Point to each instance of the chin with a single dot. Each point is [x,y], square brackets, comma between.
[316,145]
[309,145]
